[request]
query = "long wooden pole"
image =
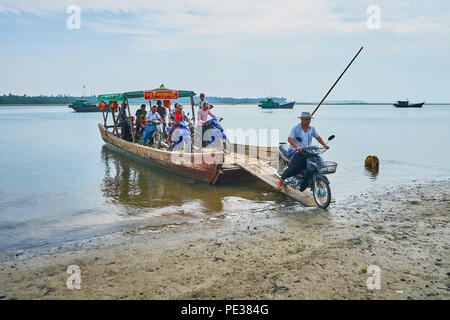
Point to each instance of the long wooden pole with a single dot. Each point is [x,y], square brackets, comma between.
[336,82]
[115,123]
[192,106]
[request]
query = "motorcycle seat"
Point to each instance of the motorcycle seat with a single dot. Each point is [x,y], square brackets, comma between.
[284,150]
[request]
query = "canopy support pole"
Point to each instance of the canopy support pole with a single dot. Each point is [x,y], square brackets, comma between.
[192,106]
[131,120]
[122,105]
[104,119]
[107,111]
[115,123]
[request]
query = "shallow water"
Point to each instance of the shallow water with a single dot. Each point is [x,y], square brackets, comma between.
[58,182]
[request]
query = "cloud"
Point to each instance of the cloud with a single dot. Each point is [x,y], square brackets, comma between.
[204,20]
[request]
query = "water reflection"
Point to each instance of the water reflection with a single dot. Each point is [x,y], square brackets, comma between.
[372,172]
[137,185]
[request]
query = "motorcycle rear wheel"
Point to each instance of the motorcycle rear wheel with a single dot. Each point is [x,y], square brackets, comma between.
[321,192]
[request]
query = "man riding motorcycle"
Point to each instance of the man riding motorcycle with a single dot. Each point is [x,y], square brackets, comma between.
[297,163]
[202,119]
[153,120]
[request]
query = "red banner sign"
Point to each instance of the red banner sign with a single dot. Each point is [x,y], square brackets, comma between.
[152,95]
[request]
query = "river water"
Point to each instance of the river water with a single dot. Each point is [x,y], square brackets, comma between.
[59,183]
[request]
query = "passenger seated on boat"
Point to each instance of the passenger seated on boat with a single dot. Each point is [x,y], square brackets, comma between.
[125,130]
[140,116]
[176,116]
[140,119]
[154,119]
[202,119]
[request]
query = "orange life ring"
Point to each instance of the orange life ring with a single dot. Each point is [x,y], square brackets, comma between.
[114,105]
[102,105]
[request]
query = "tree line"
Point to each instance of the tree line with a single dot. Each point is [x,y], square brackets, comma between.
[65,99]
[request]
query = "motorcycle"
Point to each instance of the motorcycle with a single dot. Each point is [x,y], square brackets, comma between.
[154,140]
[139,134]
[181,137]
[315,172]
[214,137]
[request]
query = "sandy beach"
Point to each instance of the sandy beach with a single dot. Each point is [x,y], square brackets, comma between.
[313,254]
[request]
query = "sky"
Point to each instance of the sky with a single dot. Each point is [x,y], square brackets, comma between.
[229,48]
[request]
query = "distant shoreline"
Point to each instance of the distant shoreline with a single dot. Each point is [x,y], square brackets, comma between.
[297,103]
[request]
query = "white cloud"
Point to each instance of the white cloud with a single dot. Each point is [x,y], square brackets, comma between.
[204,20]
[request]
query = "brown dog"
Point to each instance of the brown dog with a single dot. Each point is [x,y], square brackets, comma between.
[372,162]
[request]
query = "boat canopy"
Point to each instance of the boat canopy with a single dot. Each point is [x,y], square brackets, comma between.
[162,93]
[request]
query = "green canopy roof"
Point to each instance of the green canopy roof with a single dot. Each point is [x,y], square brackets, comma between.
[141,94]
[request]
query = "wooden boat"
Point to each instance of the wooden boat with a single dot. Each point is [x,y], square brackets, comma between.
[270,104]
[406,104]
[191,165]
[209,166]
[81,105]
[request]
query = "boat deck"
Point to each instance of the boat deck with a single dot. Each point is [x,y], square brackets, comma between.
[244,163]
[263,170]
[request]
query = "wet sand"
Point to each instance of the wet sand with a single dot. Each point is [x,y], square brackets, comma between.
[314,254]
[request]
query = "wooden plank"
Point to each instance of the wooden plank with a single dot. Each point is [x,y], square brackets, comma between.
[265,172]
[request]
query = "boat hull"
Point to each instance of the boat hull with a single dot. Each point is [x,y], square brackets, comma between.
[89,108]
[197,166]
[412,105]
[289,105]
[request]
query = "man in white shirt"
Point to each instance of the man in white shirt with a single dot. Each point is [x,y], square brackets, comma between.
[304,131]
[202,99]
[154,119]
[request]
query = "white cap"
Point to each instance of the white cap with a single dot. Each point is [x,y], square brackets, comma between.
[305,115]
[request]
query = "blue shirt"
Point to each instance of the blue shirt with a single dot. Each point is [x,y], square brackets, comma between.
[297,131]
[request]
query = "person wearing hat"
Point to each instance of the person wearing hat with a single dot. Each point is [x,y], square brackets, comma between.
[202,120]
[175,116]
[306,132]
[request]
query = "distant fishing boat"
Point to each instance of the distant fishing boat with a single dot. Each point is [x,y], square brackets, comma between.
[81,105]
[270,104]
[406,104]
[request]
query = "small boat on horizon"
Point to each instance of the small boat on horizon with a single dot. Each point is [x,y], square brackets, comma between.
[81,105]
[270,104]
[406,104]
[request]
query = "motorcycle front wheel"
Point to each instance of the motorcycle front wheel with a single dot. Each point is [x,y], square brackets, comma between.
[282,165]
[321,192]
[156,140]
